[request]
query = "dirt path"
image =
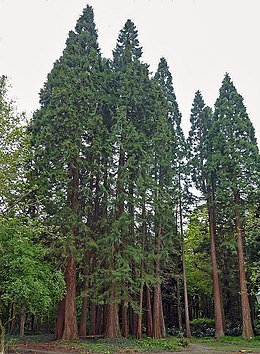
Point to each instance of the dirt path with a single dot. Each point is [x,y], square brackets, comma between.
[57,349]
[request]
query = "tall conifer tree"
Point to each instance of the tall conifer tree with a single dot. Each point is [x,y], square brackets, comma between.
[235,160]
[67,100]
[177,146]
[204,179]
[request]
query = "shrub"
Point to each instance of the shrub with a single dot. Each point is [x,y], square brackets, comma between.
[201,327]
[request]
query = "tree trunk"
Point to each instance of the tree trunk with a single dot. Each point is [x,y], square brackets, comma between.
[2,338]
[162,323]
[125,330]
[185,290]
[60,320]
[149,317]
[245,307]
[22,323]
[140,313]
[70,331]
[133,319]
[67,310]
[179,304]
[84,304]
[112,329]
[158,321]
[219,325]
[93,318]
[13,322]
[99,322]
[157,330]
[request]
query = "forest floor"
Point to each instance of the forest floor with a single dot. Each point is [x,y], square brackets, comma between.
[192,349]
[195,346]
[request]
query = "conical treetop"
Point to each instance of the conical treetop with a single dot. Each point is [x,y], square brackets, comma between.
[127,47]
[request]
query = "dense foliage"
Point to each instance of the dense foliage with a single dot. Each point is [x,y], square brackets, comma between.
[96,191]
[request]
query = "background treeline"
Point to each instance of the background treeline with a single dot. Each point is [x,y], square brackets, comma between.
[95,190]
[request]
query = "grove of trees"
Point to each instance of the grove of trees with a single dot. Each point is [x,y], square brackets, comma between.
[111,222]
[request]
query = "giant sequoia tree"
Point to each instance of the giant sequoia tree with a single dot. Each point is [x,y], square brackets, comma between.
[171,158]
[204,179]
[235,160]
[67,101]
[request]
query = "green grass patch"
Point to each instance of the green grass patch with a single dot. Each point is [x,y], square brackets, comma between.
[109,346]
[230,343]
[103,345]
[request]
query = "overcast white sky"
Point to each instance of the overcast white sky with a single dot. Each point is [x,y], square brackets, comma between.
[201,40]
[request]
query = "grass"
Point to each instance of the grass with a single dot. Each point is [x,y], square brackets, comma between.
[132,345]
[106,345]
[230,343]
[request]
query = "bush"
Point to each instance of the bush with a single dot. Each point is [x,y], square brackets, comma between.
[257,327]
[201,327]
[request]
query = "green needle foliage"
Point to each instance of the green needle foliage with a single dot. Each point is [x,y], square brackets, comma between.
[235,160]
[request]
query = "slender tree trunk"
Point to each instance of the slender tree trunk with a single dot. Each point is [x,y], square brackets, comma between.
[84,304]
[219,324]
[149,317]
[158,322]
[60,320]
[185,290]
[22,323]
[125,329]
[133,321]
[13,322]
[245,307]
[179,304]
[162,322]
[2,338]
[93,305]
[157,330]
[140,312]
[99,322]
[93,319]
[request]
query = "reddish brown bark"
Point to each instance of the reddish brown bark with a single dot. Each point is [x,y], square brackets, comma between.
[13,321]
[84,304]
[99,320]
[179,303]
[218,306]
[149,318]
[125,328]
[185,290]
[22,323]
[112,329]
[162,323]
[245,307]
[60,320]
[70,330]
[132,321]
[66,325]
[157,330]
[140,312]
[93,317]
[83,317]
[158,318]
